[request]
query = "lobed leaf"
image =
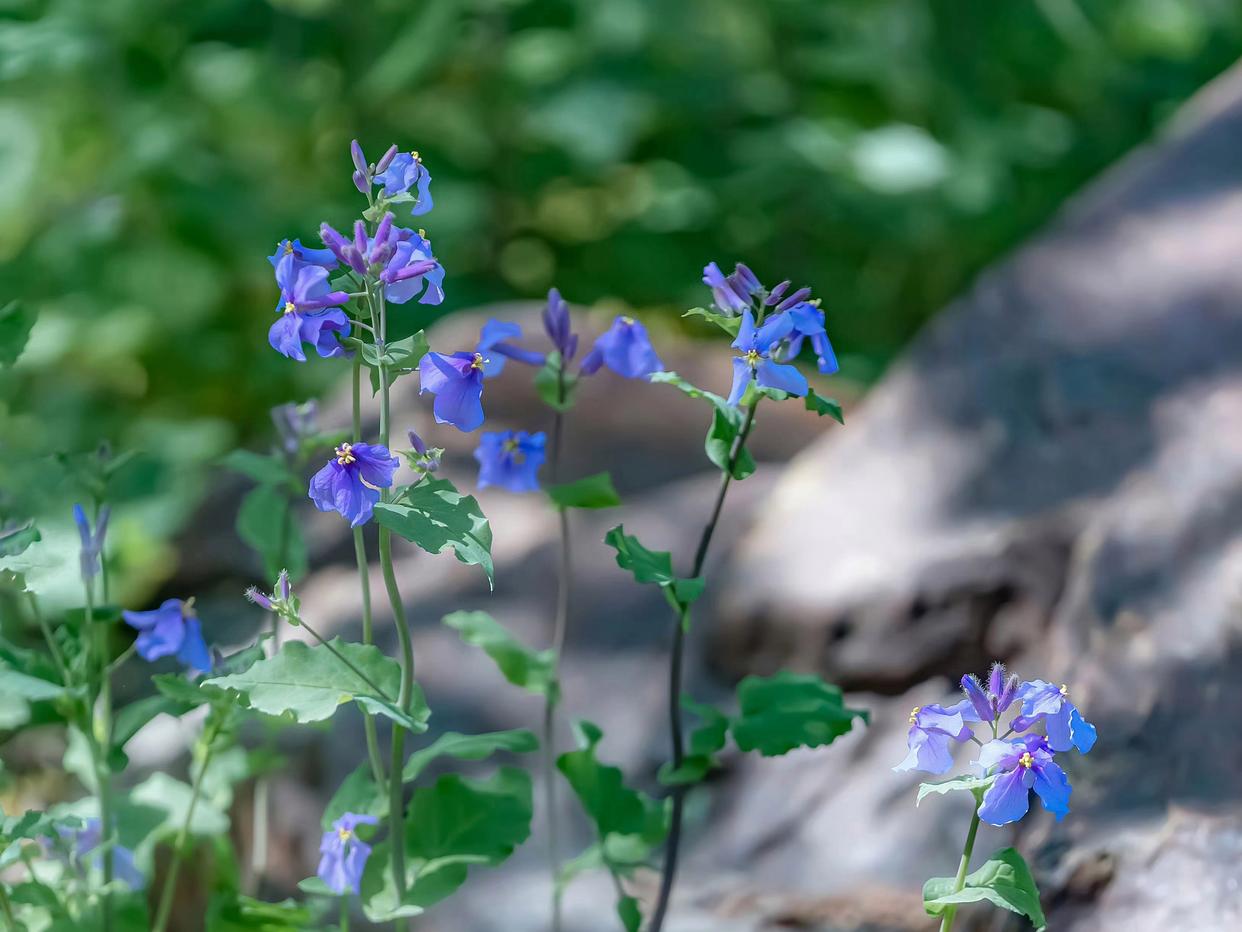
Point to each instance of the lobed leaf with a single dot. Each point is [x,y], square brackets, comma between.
[437,517]
[975,785]
[594,491]
[705,743]
[822,406]
[534,671]
[1004,881]
[782,712]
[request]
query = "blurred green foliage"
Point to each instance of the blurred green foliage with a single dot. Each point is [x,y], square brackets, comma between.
[153,151]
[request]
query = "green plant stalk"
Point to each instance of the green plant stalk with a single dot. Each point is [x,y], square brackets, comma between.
[101,748]
[174,866]
[6,908]
[676,662]
[344,914]
[364,585]
[959,882]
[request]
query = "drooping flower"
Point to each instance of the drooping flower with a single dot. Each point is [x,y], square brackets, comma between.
[624,348]
[302,255]
[79,848]
[1001,692]
[457,383]
[510,459]
[1064,724]
[309,312]
[732,293]
[1021,765]
[406,171]
[171,630]
[92,542]
[351,480]
[932,728]
[495,344]
[343,855]
[755,361]
[808,324]
[558,327]
[295,423]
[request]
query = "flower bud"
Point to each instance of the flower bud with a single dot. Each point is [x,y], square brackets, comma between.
[386,160]
[360,160]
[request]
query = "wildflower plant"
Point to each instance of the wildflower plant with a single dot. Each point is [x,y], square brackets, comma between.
[1018,728]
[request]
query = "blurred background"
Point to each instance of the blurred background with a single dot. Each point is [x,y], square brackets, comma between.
[1045,474]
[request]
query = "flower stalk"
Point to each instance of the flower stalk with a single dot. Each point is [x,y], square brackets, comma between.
[963,868]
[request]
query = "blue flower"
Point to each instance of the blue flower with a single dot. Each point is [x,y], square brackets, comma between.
[624,348]
[309,311]
[343,855]
[351,480]
[92,543]
[557,326]
[405,171]
[171,630]
[1021,765]
[302,255]
[756,362]
[494,345]
[1063,722]
[731,293]
[932,728]
[1001,692]
[457,383]
[510,459]
[83,846]
[401,258]
[808,323]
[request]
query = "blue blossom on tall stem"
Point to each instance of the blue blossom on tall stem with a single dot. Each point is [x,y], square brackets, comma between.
[558,327]
[343,855]
[808,324]
[302,255]
[756,363]
[626,349]
[456,380]
[399,257]
[1064,724]
[309,311]
[933,728]
[732,293]
[495,344]
[171,630]
[510,459]
[92,542]
[1021,765]
[405,171]
[351,480]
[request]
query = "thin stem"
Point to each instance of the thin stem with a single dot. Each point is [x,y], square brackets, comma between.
[344,914]
[676,662]
[101,746]
[7,908]
[52,646]
[174,866]
[946,921]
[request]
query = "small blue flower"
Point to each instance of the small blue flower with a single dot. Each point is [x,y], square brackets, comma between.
[755,361]
[1021,765]
[558,327]
[1063,722]
[932,728]
[401,258]
[495,345]
[624,348]
[302,255]
[731,293]
[343,855]
[510,459]
[457,383]
[808,323]
[92,543]
[171,630]
[309,311]
[351,480]
[406,170]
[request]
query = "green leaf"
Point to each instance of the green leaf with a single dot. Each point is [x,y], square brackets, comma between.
[171,798]
[673,379]
[437,517]
[730,325]
[705,742]
[557,395]
[457,820]
[379,894]
[534,671]
[822,406]
[975,785]
[468,747]
[652,566]
[16,322]
[1004,881]
[789,710]
[233,912]
[629,913]
[726,424]
[132,717]
[265,470]
[265,522]
[308,683]
[16,540]
[357,793]
[399,356]
[592,492]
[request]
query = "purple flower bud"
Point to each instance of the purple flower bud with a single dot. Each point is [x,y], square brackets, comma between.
[978,698]
[360,182]
[556,324]
[258,598]
[796,298]
[385,160]
[384,229]
[774,295]
[360,160]
[360,237]
[417,442]
[996,679]
[92,543]
[1007,694]
[334,241]
[282,585]
[747,278]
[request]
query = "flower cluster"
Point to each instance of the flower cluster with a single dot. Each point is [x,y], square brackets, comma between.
[1016,761]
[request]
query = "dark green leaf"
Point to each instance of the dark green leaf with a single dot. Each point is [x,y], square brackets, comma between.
[16,540]
[468,747]
[822,406]
[437,517]
[399,356]
[133,716]
[592,492]
[457,820]
[357,793]
[789,710]
[1004,881]
[630,914]
[726,423]
[534,671]
[233,912]
[16,322]
[648,566]
[705,742]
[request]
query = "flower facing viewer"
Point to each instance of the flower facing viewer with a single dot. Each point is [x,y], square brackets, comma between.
[343,855]
[510,459]
[351,480]
[171,630]
[309,311]
[1021,765]
[756,362]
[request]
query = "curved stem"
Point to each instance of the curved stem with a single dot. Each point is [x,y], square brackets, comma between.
[101,744]
[6,908]
[677,652]
[946,921]
[174,866]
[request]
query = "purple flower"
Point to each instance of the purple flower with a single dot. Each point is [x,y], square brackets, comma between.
[171,630]
[1021,765]
[309,311]
[401,258]
[92,543]
[557,325]
[932,727]
[510,459]
[343,855]
[808,323]
[1063,722]
[457,383]
[83,844]
[351,480]
[421,457]
[406,170]
[624,348]
[494,346]
[755,361]
[1000,695]
[302,255]
[731,293]
[280,601]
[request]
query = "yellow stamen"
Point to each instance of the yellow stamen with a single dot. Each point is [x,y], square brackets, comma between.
[1064,690]
[290,307]
[510,445]
[414,154]
[344,834]
[628,321]
[288,248]
[344,454]
[422,233]
[752,358]
[1026,760]
[479,362]
[914,714]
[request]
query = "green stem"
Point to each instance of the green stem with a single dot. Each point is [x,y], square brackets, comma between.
[101,746]
[57,656]
[174,866]
[344,914]
[7,908]
[946,921]
[364,584]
